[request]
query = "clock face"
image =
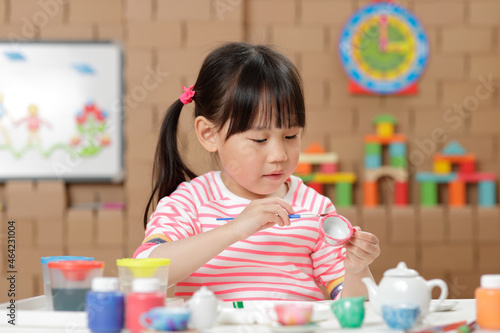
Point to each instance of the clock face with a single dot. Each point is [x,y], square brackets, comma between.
[383,48]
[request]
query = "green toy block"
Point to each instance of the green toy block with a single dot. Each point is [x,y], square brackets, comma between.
[343,195]
[399,161]
[428,194]
[373,148]
[307,178]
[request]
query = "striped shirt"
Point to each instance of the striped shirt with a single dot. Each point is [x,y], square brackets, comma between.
[278,263]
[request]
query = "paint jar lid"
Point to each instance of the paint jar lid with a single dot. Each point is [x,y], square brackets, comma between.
[490,281]
[46,260]
[146,262]
[104,284]
[145,285]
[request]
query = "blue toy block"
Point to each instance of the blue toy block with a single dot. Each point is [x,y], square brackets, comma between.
[373,161]
[430,177]
[397,149]
[453,148]
[487,194]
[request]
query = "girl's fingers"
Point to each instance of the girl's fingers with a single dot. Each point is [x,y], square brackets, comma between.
[365,236]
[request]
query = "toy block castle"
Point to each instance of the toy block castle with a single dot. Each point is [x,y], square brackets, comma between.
[454,155]
[318,168]
[374,170]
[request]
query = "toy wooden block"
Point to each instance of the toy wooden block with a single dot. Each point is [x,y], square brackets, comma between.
[442,166]
[303,168]
[400,193]
[384,140]
[339,177]
[385,130]
[487,194]
[456,193]
[397,149]
[314,158]
[425,177]
[373,161]
[396,173]
[370,194]
[318,158]
[476,177]
[455,158]
[453,153]
[328,167]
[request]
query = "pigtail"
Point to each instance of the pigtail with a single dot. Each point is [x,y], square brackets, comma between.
[168,169]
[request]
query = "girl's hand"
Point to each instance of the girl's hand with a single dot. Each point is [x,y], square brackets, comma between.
[362,249]
[261,214]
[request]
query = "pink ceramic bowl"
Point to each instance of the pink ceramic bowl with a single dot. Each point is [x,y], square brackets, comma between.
[294,313]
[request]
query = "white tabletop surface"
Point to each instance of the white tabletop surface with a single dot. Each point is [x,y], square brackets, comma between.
[31,317]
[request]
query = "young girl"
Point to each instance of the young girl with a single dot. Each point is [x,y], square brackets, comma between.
[249,109]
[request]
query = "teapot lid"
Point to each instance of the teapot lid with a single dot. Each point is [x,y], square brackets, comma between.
[203,292]
[401,270]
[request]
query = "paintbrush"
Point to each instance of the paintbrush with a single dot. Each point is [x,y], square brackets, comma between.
[291,216]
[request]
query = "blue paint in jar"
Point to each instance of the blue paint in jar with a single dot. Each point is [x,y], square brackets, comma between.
[105,306]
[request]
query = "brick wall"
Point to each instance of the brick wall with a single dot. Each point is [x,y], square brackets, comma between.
[171,38]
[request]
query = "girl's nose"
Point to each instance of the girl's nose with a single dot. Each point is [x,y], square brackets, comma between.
[278,153]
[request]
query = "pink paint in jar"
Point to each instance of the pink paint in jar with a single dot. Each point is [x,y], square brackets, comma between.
[145,295]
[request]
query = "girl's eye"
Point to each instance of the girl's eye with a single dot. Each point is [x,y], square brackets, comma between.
[291,136]
[259,141]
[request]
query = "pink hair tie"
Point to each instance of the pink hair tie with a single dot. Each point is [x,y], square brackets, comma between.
[187,95]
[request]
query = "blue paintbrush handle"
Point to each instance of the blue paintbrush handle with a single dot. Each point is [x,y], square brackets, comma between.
[291,216]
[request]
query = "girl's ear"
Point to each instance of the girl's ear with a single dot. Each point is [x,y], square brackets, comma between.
[206,133]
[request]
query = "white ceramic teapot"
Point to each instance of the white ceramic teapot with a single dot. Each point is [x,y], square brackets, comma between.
[205,308]
[404,285]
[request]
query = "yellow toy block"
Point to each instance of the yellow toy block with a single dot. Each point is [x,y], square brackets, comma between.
[333,178]
[442,166]
[385,129]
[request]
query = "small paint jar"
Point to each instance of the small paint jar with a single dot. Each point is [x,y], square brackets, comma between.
[488,302]
[105,306]
[145,295]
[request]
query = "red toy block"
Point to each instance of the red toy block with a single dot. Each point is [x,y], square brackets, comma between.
[467,167]
[400,193]
[476,177]
[318,187]
[329,167]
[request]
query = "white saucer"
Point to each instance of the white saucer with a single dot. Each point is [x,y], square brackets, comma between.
[446,306]
[277,328]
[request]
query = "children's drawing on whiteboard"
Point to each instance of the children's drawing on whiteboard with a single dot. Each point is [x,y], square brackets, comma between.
[34,122]
[4,114]
[92,125]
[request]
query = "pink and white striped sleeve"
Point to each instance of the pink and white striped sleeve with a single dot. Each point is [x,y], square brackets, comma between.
[175,217]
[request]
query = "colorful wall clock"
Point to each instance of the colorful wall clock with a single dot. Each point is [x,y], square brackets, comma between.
[383,49]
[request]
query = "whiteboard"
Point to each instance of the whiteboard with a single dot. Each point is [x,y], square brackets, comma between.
[61,111]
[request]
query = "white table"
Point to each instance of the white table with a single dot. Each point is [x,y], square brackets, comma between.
[31,317]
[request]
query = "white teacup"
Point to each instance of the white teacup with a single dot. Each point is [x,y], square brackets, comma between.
[335,229]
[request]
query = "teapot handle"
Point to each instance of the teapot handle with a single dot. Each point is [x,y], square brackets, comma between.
[444,291]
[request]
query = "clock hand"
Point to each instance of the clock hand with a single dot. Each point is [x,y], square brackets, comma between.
[383,33]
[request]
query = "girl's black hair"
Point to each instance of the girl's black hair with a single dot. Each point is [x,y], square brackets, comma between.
[240,83]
